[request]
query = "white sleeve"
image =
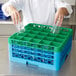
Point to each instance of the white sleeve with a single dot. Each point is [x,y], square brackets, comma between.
[61,3]
[16,3]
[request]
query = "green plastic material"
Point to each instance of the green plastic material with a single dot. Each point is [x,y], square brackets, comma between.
[40,37]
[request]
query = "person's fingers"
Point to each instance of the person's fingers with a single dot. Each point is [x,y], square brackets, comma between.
[56,18]
[19,17]
[60,20]
[13,18]
[16,17]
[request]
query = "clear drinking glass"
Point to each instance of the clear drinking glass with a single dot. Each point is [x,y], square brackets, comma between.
[55,28]
[20,27]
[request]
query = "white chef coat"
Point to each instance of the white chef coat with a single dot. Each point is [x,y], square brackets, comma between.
[37,11]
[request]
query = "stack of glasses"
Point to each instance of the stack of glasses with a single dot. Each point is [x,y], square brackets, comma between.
[38,46]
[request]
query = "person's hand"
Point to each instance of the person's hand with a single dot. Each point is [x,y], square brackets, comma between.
[59,16]
[14,14]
